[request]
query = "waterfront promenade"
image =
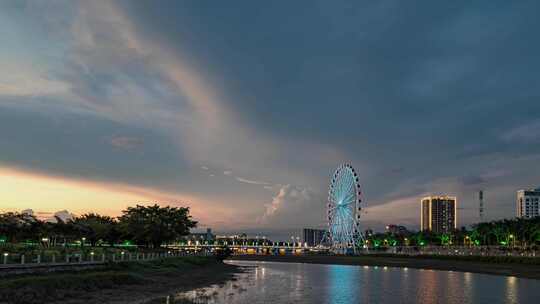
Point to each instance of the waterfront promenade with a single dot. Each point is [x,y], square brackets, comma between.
[33,264]
[447,263]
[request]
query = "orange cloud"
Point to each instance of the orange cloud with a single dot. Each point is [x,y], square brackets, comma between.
[20,189]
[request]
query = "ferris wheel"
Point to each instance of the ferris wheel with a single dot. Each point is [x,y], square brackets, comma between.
[344,209]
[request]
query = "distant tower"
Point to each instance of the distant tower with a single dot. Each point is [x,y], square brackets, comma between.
[481,204]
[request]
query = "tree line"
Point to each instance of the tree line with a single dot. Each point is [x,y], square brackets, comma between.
[517,232]
[148,226]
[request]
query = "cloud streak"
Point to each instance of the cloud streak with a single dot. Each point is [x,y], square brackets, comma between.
[126,143]
[252,182]
[526,133]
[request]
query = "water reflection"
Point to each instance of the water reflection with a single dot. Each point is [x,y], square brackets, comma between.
[511,290]
[342,284]
[469,285]
[337,284]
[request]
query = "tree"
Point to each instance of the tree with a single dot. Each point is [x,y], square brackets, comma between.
[95,227]
[64,230]
[16,227]
[155,225]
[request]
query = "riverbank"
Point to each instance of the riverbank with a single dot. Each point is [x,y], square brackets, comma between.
[120,283]
[530,271]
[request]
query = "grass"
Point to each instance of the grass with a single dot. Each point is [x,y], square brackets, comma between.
[57,286]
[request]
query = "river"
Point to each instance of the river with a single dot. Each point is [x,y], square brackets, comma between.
[272,282]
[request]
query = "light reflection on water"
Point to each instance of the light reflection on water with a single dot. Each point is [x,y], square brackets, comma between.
[269,282]
[341,283]
[511,290]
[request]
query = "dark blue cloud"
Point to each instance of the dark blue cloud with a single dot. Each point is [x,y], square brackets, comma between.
[366,76]
[78,145]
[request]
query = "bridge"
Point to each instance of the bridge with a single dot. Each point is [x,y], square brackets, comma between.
[251,249]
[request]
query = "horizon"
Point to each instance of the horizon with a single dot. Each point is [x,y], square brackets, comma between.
[109,104]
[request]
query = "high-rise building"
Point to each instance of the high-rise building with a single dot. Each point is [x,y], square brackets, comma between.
[313,237]
[527,205]
[200,236]
[481,205]
[438,214]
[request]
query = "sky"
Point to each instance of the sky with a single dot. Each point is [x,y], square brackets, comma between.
[242,110]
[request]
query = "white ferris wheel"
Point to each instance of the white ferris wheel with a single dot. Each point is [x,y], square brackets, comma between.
[344,210]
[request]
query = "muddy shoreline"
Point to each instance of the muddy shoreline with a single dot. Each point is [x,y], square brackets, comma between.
[163,285]
[148,282]
[517,270]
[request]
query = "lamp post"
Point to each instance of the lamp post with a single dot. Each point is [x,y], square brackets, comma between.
[511,236]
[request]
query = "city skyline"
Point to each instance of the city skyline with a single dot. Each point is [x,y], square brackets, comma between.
[104,105]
